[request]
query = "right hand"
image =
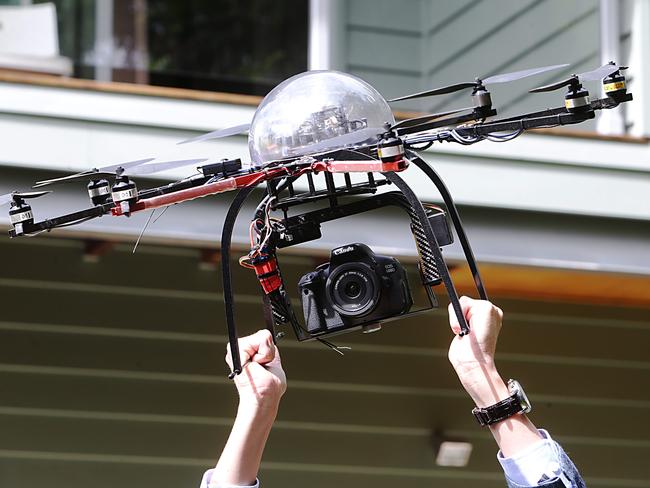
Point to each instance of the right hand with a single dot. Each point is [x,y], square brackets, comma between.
[262,381]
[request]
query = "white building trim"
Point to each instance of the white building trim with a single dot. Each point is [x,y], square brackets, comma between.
[610,121]
[320,33]
[639,71]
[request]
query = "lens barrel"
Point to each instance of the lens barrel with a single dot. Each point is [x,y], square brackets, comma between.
[353,289]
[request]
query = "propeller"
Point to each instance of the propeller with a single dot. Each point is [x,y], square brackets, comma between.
[114,167]
[10,197]
[218,134]
[593,75]
[423,119]
[132,168]
[501,78]
[349,139]
[95,173]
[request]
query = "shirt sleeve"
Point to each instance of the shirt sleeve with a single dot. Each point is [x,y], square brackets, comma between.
[533,465]
[206,482]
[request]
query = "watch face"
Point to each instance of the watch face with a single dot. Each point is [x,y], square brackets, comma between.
[516,389]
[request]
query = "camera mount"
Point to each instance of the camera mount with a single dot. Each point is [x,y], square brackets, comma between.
[281,195]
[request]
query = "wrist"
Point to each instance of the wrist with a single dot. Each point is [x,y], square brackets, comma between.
[263,412]
[484,385]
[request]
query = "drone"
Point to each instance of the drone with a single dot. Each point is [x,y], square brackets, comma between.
[305,131]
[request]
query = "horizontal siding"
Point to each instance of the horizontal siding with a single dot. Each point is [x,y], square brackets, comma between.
[400,54]
[546,35]
[383,45]
[114,364]
[402,16]
[459,41]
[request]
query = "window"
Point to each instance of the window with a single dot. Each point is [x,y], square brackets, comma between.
[240,46]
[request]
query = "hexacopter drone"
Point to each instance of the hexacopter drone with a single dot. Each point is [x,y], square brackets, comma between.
[326,122]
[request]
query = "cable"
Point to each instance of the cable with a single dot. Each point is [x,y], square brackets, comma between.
[426,146]
[505,137]
[332,346]
[143,229]
[80,221]
[466,141]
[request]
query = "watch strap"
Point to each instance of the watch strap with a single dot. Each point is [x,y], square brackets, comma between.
[499,411]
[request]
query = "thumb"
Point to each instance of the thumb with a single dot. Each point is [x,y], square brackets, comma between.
[453,320]
[465,305]
[266,349]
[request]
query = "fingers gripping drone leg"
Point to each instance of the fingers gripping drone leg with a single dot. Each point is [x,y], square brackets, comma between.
[455,218]
[435,248]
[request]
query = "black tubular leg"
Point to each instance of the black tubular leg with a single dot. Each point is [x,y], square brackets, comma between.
[455,218]
[228,298]
[267,311]
[435,248]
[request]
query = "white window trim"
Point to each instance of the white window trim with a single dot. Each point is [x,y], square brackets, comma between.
[319,55]
[639,110]
[103,49]
[610,121]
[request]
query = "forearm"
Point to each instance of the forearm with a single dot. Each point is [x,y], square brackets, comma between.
[529,457]
[240,460]
[486,387]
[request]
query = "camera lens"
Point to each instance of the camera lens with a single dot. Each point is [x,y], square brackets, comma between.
[353,289]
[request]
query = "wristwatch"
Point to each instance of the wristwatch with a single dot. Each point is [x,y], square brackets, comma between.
[516,403]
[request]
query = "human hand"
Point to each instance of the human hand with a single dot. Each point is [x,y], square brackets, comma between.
[261,384]
[472,355]
[262,381]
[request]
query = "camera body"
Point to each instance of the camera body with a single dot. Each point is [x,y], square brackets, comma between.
[356,288]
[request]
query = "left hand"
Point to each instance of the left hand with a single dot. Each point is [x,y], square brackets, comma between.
[262,381]
[472,355]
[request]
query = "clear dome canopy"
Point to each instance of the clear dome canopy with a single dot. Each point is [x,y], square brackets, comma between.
[306,110]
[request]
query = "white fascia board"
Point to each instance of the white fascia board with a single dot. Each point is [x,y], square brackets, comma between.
[120,108]
[76,145]
[558,150]
[538,187]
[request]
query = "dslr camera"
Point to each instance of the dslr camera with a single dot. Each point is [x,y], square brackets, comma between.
[357,288]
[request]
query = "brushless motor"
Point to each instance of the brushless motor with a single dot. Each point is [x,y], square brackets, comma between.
[390,150]
[20,213]
[576,99]
[124,193]
[615,87]
[99,191]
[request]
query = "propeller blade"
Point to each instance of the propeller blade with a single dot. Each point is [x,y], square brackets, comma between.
[518,75]
[5,199]
[599,73]
[31,194]
[148,169]
[9,197]
[502,78]
[554,86]
[593,75]
[427,118]
[339,142]
[437,91]
[92,174]
[86,176]
[218,134]
[130,164]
